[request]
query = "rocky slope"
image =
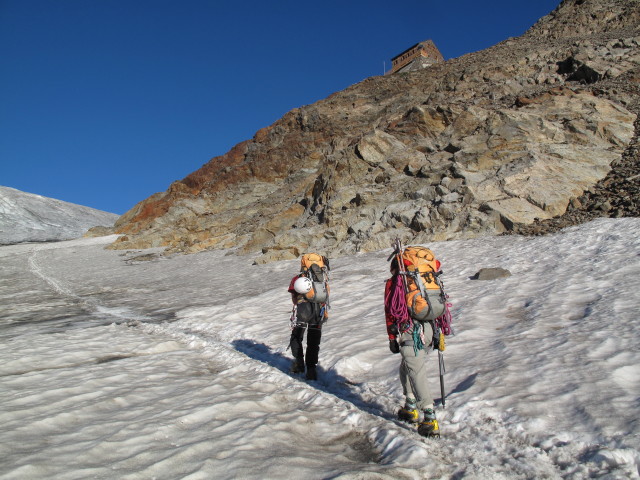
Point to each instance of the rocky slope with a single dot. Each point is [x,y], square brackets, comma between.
[510,139]
[25,217]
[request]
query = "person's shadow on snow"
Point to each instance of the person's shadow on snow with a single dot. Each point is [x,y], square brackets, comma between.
[328,380]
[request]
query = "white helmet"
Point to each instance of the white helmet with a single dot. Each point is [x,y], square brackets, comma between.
[302,285]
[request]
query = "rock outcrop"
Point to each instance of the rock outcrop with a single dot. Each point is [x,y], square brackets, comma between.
[492,142]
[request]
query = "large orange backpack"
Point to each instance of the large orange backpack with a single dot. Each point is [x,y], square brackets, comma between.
[425,297]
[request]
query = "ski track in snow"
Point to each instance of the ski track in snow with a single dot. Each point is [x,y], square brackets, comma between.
[91,305]
[36,270]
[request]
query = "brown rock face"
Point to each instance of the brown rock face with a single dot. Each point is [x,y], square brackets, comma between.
[533,130]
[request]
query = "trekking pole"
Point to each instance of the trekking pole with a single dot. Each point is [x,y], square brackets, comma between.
[442,372]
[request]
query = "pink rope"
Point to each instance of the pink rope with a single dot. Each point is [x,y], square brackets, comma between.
[397,305]
[444,321]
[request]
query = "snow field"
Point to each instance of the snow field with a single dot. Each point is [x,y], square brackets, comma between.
[133,365]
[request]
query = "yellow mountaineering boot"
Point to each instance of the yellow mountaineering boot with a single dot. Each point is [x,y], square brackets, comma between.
[409,413]
[429,427]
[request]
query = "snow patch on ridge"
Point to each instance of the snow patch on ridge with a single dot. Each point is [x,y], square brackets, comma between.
[26,217]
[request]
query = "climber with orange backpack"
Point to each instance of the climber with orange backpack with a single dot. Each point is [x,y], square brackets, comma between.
[310,296]
[417,317]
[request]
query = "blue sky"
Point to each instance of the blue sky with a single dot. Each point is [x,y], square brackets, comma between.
[105,102]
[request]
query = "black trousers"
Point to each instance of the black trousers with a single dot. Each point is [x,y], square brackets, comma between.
[314,333]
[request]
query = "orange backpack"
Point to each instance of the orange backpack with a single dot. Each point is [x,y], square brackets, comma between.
[425,297]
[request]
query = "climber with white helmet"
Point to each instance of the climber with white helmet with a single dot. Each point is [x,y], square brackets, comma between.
[310,296]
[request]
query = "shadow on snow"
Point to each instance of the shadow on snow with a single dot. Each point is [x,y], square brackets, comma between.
[328,380]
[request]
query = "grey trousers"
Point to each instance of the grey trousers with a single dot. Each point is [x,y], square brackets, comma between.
[413,370]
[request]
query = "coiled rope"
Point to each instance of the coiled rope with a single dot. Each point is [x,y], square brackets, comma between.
[397,308]
[397,305]
[443,322]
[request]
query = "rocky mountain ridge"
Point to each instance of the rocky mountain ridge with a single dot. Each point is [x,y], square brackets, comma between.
[509,139]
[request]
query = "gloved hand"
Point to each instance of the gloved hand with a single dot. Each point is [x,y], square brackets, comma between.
[393,346]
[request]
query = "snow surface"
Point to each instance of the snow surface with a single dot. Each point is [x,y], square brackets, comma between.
[25,217]
[136,366]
